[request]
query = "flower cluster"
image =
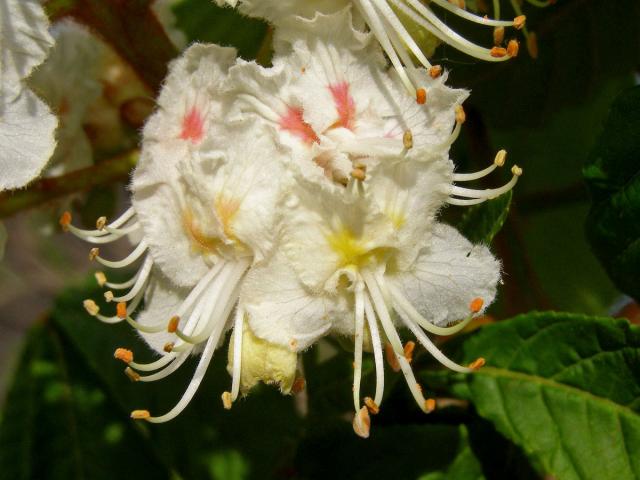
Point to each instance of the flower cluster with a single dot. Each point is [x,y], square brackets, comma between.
[293,202]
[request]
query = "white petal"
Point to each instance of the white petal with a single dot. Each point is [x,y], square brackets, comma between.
[282,310]
[447,276]
[27,138]
[24,39]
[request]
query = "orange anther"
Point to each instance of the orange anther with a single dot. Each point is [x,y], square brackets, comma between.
[512,48]
[392,360]
[408,350]
[173,324]
[435,71]
[123,354]
[498,36]
[498,52]
[477,364]
[168,347]
[372,406]
[132,374]
[519,21]
[121,310]
[140,414]
[476,305]
[429,405]
[461,116]
[421,96]
[65,220]
[298,385]
[362,423]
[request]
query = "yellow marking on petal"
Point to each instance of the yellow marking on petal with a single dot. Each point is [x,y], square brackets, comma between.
[227,208]
[201,242]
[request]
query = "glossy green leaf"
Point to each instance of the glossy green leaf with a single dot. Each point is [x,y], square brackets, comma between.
[427,452]
[613,176]
[564,387]
[58,423]
[481,223]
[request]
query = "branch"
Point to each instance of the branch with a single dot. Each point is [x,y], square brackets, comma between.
[47,189]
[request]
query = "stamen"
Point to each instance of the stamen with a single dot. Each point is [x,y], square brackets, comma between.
[238,331]
[461,12]
[121,310]
[101,223]
[140,414]
[461,117]
[172,326]
[149,367]
[372,406]
[93,254]
[362,423]
[108,296]
[299,385]
[140,284]
[168,347]
[123,354]
[101,278]
[498,36]
[358,342]
[421,96]
[488,193]
[477,364]
[497,162]
[132,374]
[519,22]
[476,305]
[408,350]
[65,221]
[532,45]
[358,174]
[390,355]
[407,140]
[226,400]
[512,48]
[91,307]
[377,350]
[128,260]
[430,405]
[498,52]
[435,71]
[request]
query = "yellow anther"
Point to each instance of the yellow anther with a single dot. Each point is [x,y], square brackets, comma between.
[461,117]
[108,296]
[123,354]
[498,36]
[226,400]
[65,220]
[358,174]
[132,374]
[101,278]
[93,253]
[372,406]
[101,222]
[168,347]
[501,157]
[140,414]
[516,170]
[407,139]
[429,405]
[91,307]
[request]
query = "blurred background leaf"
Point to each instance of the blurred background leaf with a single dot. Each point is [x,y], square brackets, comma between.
[613,175]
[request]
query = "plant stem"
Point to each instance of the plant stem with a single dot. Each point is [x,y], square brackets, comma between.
[47,189]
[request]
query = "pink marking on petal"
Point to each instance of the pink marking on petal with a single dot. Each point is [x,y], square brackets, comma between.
[192,126]
[294,123]
[345,105]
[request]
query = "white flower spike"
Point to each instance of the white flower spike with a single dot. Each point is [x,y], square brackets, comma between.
[404,28]
[27,125]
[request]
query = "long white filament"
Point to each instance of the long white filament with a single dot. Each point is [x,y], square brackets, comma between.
[357,353]
[238,332]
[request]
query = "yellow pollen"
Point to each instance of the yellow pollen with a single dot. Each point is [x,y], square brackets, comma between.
[435,71]
[172,326]
[132,374]
[140,414]
[407,139]
[108,296]
[461,117]
[392,360]
[121,310]
[123,354]
[372,406]
[513,47]
[91,307]
[501,157]
[226,400]
[93,253]
[498,35]
[477,364]
[101,278]
[101,222]
[516,170]
[519,21]
[65,220]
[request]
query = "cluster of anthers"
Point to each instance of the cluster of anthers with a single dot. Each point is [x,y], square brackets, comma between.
[293,202]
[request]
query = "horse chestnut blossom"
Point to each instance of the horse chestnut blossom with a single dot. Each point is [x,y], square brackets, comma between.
[407,30]
[293,202]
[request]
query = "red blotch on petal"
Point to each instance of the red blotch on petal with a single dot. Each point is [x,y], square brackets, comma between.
[345,105]
[192,126]
[294,123]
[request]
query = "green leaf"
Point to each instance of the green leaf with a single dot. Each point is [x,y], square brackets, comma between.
[59,424]
[564,387]
[613,176]
[428,452]
[205,22]
[481,223]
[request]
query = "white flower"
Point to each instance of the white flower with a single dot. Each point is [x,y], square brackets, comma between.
[27,125]
[303,196]
[68,81]
[403,28]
